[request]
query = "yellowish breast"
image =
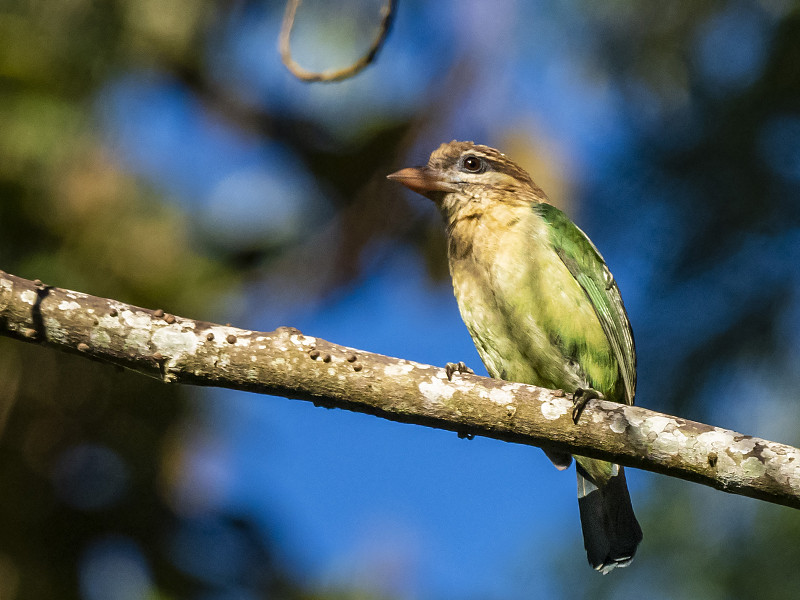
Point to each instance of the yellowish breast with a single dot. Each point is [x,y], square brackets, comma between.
[517,299]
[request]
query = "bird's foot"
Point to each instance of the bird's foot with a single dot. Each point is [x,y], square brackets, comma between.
[459,367]
[579,400]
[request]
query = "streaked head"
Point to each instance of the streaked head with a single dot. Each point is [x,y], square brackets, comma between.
[469,171]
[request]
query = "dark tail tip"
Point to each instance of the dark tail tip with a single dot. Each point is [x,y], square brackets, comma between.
[611,532]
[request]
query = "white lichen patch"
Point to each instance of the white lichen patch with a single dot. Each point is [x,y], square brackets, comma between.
[171,341]
[108,322]
[501,396]
[513,387]
[618,423]
[68,305]
[436,391]
[331,371]
[76,295]
[253,358]
[669,442]
[655,426]
[278,361]
[100,338]
[28,297]
[745,446]
[768,454]
[664,434]
[6,285]
[633,417]
[137,340]
[398,369]
[298,339]
[716,439]
[136,319]
[242,339]
[555,408]
[752,467]
[462,385]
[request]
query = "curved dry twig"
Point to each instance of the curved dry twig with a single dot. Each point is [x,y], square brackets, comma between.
[284,44]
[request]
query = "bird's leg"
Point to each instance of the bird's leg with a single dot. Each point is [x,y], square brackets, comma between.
[579,400]
[459,367]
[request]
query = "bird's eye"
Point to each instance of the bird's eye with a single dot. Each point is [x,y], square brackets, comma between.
[473,164]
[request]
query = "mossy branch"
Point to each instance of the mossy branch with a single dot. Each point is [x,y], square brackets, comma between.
[285,362]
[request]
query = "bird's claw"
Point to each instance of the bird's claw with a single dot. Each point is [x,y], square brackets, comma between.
[579,400]
[459,367]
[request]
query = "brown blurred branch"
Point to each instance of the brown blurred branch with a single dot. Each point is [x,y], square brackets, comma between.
[284,44]
[287,363]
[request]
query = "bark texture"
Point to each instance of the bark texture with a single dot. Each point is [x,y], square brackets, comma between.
[286,362]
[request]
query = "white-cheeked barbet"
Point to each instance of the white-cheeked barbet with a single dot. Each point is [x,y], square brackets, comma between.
[542,308]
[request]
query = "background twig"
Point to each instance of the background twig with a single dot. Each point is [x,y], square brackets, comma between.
[284,44]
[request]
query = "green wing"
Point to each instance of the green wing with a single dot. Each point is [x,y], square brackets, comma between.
[589,269]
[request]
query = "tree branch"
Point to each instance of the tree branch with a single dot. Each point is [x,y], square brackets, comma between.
[287,363]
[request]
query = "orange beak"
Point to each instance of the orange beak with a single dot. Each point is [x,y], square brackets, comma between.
[423,180]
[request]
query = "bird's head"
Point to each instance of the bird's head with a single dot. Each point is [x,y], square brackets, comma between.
[462,173]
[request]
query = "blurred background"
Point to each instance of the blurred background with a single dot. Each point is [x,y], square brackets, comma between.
[160,154]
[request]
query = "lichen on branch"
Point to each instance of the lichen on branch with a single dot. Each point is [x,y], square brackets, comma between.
[286,362]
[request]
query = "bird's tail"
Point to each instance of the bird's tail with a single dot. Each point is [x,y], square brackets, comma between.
[611,532]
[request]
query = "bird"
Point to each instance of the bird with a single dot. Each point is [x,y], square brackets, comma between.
[542,308]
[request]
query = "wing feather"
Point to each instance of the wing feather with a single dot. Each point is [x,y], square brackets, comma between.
[587,266]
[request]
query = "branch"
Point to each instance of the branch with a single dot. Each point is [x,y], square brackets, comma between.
[284,45]
[287,363]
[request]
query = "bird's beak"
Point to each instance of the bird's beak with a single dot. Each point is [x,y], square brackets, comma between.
[423,180]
